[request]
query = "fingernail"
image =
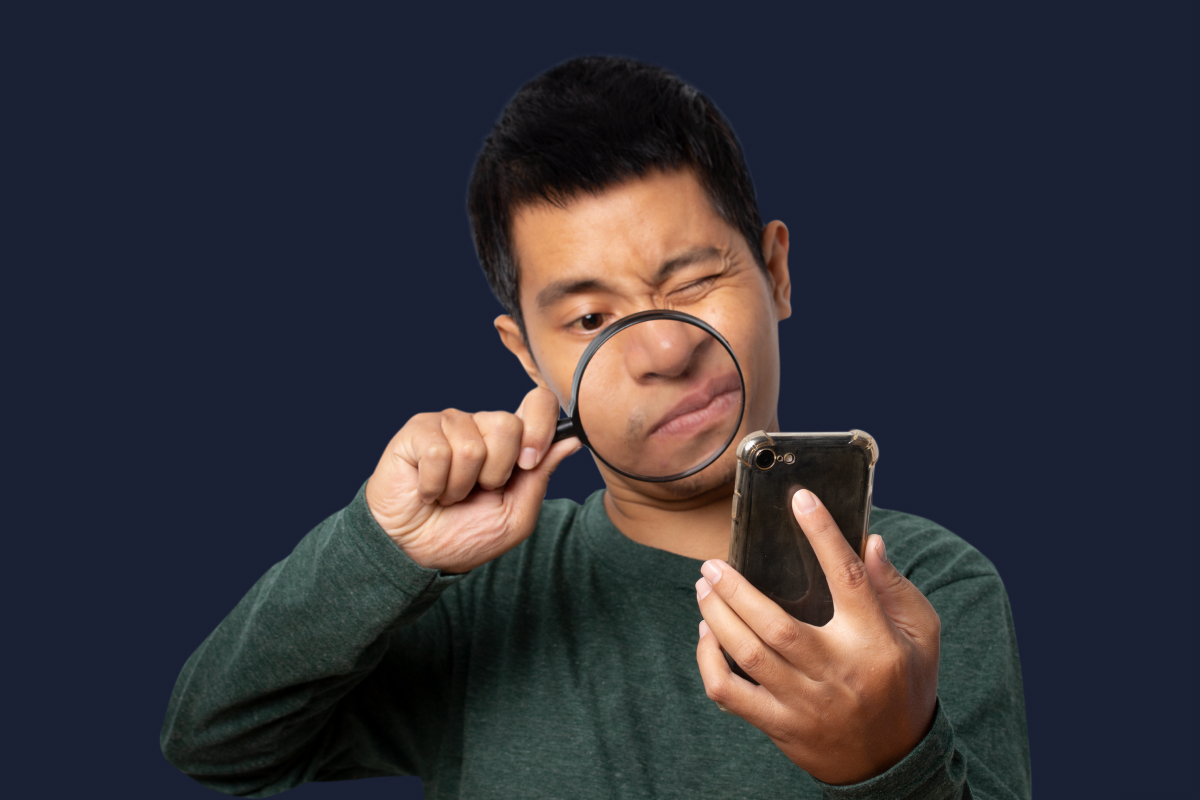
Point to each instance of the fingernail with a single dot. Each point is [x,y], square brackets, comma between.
[804,501]
[710,570]
[881,550]
[703,587]
[528,459]
[703,628]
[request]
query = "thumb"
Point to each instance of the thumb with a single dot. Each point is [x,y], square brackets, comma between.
[527,487]
[903,602]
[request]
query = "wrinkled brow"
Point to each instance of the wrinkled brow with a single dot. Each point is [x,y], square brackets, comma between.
[560,289]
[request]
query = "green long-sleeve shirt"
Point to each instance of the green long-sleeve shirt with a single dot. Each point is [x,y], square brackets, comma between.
[564,668]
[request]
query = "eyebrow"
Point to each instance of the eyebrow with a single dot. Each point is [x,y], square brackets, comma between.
[560,289]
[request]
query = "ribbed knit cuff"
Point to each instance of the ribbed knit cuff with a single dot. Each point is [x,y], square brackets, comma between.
[934,770]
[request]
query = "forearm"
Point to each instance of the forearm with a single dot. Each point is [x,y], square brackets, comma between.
[252,704]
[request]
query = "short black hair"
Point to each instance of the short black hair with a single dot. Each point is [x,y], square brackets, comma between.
[586,125]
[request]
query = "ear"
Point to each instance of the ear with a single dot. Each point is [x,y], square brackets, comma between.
[775,253]
[510,335]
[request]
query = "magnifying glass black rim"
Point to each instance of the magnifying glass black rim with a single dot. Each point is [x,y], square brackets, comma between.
[575,426]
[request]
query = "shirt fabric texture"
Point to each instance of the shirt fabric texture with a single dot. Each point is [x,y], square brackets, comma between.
[565,668]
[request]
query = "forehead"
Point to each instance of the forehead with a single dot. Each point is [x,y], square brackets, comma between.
[621,234]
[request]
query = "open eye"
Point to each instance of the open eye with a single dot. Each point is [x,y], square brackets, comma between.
[591,322]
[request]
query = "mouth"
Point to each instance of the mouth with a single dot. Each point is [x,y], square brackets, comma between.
[711,401]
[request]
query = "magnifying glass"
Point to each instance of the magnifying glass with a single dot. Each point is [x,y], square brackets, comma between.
[657,396]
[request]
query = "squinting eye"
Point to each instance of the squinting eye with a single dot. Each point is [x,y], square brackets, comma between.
[591,322]
[703,283]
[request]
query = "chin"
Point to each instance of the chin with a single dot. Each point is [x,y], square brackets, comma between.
[715,477]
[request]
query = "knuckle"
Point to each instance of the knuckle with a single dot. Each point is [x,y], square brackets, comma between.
[485,419]
[752,657]
[417,427]
[782,634]
[491,482]
[437,451]
[509,426]
[472,450]
[717,691]
[851,573]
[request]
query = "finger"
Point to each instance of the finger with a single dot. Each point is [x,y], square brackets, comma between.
[425,446]
[527,488]
[467,452]
[539,412]
[780,631]
[903,602]
[732,693]
[502,437]
[849,583]
[758,659]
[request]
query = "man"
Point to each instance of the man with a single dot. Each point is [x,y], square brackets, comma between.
[451,624]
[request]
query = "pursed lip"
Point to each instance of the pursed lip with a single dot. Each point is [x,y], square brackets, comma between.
[701,398]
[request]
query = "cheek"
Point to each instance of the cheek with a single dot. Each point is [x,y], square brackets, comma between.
[557,371]
[561,386]
[766,386]
[743,327]
[751,332]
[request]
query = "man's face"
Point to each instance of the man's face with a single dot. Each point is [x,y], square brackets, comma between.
[648,243]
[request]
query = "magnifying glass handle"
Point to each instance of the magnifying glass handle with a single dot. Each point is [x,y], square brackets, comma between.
[564,430]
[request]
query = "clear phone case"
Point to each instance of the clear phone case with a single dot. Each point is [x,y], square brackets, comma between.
[767,545]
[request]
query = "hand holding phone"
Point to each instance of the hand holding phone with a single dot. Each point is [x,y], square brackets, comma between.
[845,700]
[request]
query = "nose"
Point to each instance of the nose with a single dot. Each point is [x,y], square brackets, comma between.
[662,349]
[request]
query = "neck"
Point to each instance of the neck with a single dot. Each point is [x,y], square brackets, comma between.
[697,528]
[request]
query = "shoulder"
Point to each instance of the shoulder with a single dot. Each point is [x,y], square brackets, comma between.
[558,523]
[556,517]
[928,554]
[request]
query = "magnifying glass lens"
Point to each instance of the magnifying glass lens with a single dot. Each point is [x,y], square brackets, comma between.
[660,398]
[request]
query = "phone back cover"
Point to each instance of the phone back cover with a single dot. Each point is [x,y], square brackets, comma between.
[767,545]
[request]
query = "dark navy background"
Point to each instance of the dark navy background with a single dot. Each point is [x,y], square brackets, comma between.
[237,260]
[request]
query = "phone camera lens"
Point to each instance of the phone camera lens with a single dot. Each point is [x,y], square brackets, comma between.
[765,459]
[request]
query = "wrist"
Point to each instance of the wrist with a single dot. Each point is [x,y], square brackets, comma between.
[919,774]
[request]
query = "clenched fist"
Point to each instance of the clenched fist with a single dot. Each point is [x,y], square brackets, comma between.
[455,490]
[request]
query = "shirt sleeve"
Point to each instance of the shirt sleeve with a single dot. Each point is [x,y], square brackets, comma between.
[979,745]
[280,693]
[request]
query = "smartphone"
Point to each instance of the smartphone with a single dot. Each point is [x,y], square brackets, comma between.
[767,545]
